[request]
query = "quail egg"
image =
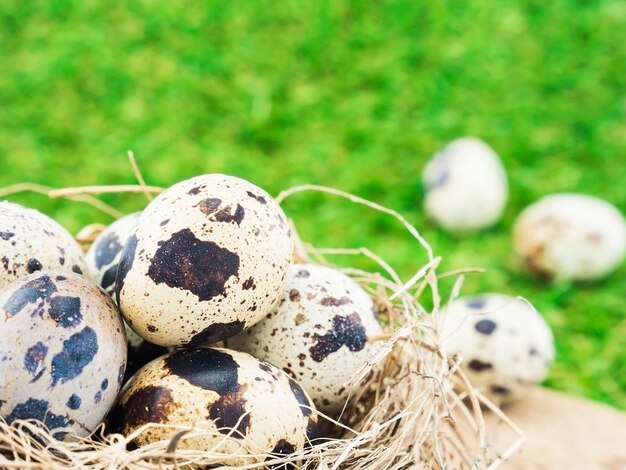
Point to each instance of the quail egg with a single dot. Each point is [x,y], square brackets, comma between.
[105,252]
[31,241]
[249,405]
[209,257]
[571,237]
[466,186]
[62,352]
[505,343]
[320,334]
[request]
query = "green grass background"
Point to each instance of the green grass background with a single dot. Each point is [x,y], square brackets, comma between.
[354,95]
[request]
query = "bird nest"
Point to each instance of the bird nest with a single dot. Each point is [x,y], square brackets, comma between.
[411,406]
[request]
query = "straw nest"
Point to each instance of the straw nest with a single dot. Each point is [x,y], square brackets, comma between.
[410,407]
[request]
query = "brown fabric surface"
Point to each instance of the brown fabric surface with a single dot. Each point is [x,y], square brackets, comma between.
[563,432]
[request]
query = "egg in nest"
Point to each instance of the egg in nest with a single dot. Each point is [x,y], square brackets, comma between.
[62,352]
[320,334]
[224,392]
[209,257]
[31,241]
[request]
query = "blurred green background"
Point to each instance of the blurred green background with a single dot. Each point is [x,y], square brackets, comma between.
[353,95]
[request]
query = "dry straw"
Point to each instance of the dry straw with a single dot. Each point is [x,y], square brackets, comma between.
[410,407]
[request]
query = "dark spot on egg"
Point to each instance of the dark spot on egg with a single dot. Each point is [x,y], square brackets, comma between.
[499,390]
[302,273]
[185,262]
[73,403]
[479,366]
[107,249]
[104,385]
[148,404]
[37,289]
[294,295]
[209,206]
[164,222]
[108,279]
[125,265]
[333,302]
[439,180]
[224,215]
[346,330]
[33,265]
[76,269]
[205,368]
[217,332]
[78,351]
[301,398]
[65,311]
[35,357]
[229,412]
[39,410]
[533,351]
[97,397]
[281,449]
[485,327]
[477,303]
[260,199]
[195,191]
[248,284]
[152,328]
[265,367]
[6,235]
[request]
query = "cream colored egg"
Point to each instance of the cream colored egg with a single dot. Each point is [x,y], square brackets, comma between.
[505,343]
[31,241]
[320,334]
[209,258]
[62,352]
[105,252]
[224,392]
[466,186]
[571,236]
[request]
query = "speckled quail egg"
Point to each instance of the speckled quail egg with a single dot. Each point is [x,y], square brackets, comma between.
[105,252]
[209,258]
[571,236]
[62,352]
[319,334]
[466,186]
[505,343]
[31,241]
[227,392]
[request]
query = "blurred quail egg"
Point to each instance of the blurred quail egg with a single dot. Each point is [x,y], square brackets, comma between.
[319,334]
[105,252]
[31,241]
[571,236]
[466,186]
[227,392]
[505,344]
[62,352]
[209,258]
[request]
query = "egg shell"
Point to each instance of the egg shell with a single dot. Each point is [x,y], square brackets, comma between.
[105,252]
[62,352]
[319,334]
[505,343]
[31,241]
[209,258]
[465,185]
[571,237]
[222,391]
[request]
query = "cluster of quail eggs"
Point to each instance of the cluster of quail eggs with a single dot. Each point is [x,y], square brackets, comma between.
[129,330]
[503,342]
